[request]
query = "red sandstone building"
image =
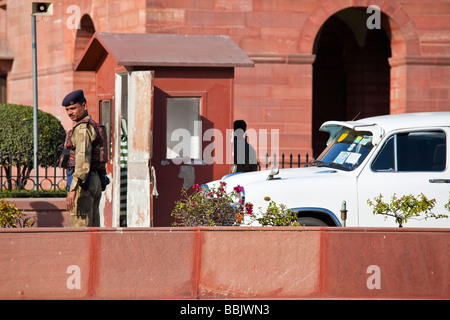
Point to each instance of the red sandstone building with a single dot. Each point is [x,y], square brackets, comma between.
[313,60]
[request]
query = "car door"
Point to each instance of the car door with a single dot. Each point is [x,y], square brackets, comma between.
[408,162]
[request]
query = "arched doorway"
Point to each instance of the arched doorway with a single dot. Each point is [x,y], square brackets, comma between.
[351,72]
[84,33]
[85,80]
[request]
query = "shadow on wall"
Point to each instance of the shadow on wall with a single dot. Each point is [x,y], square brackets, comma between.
[48,212]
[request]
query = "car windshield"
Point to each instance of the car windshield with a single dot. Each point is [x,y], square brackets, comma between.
[347,150]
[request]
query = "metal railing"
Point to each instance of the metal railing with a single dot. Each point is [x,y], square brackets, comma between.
[16,172]
[285,161]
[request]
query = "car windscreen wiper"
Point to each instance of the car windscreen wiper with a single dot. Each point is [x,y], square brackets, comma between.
[317,163]
[335,165]
[313,163]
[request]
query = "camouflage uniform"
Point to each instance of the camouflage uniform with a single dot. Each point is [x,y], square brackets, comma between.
[85,212]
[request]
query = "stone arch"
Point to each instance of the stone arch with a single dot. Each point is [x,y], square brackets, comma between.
[351,72]
[84,80]
[401,33]
[404,37]
[85,31]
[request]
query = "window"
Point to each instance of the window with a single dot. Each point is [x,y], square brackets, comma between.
[183,133]
[385,159]
[413,151]
[3,88]
[105,119]
[347,149]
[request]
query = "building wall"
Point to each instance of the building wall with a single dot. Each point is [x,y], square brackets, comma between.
[278,34]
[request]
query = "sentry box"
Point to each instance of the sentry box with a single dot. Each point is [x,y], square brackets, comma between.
[158,94]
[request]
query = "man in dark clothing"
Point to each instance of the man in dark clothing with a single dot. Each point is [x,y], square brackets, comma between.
[244,154]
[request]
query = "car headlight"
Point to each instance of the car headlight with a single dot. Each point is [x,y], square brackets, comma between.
[242,196]
[239,195]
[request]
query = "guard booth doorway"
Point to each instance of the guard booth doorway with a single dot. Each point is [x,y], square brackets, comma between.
[185,107]
[162,121]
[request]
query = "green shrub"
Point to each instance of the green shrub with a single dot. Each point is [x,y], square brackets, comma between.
[33,194]
[16,131]
[11,217]
[214,206]
[278,216]
[16,136]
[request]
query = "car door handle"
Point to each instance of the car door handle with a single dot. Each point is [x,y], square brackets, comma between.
[439,180]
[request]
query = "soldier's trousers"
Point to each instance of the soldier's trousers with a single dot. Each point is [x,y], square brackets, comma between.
[85,212]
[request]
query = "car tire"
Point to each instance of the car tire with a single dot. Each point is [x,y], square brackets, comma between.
[311,222]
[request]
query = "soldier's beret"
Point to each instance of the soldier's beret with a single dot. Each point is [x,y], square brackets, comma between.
[74,97]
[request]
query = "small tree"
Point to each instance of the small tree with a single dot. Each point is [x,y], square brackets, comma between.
[404,208]
[16,137]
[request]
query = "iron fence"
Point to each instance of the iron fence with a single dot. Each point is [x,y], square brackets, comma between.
[285,161]
[16,172]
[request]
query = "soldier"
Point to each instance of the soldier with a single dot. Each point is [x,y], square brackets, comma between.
[84,157]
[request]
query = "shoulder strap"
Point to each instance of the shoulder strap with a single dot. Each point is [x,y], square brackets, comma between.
[88,121]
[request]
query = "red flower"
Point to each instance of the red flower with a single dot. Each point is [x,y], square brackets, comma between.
[249,208]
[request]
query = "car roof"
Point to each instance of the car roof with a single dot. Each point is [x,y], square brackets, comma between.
[407,120]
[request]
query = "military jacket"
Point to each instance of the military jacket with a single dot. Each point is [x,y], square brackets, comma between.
[82,140]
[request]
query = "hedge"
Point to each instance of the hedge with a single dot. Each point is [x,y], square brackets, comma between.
[16,132]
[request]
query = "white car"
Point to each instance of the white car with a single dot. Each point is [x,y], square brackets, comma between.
[402,154]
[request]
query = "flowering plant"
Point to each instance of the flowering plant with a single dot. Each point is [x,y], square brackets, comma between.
[210,207]
[405,207]
[11,217]
[279,216]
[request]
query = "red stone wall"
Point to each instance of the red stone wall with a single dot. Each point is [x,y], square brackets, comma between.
[47,212]
[224,263]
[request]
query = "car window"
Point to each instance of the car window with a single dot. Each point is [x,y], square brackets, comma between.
[347,150]
[413,151]
[385,159]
